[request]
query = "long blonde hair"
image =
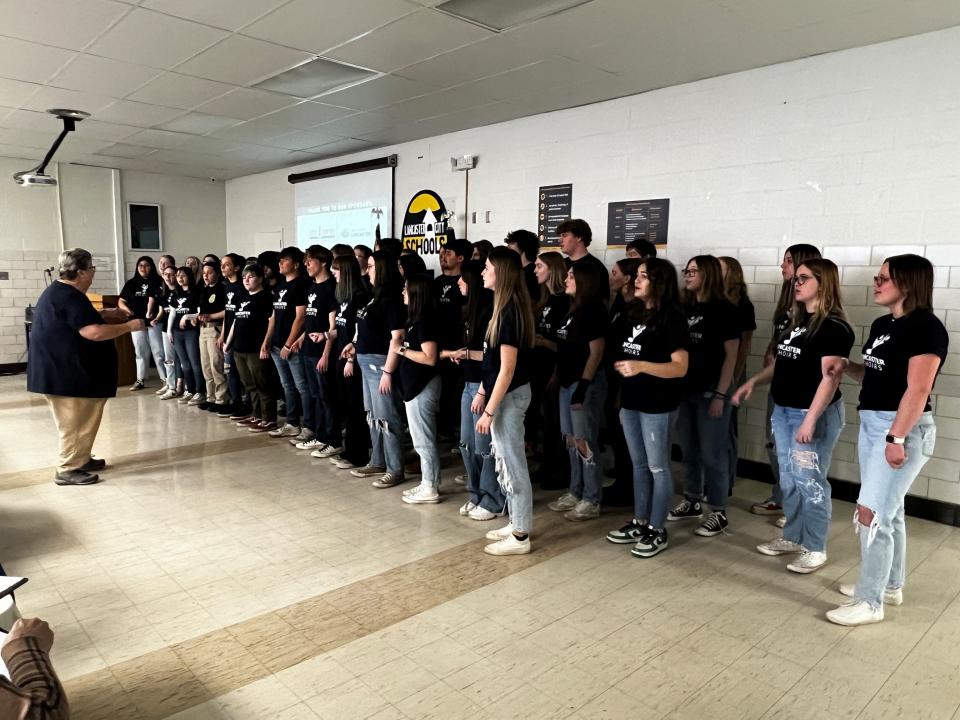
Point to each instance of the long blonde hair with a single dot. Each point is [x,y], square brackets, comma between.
[829,301]
[510,290]
[733,285]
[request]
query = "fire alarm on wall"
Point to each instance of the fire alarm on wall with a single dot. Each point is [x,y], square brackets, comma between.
[463,162]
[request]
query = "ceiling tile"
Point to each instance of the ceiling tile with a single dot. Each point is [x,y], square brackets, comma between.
[307,115]
[90,73]
[26,138]
[502,14]
[105,131]
[151,38]
[312,79]
[306,25]
[359,124]
[158,139]
[55,22]
[488,57]
[123,150]
[411,39]
[439,103]
[209,145]
[181,91]
[242,60]
[128,112]
[18,151]
[596,20]
[30,120]
[227,14]
[247,103]
[14,93]
[252,131]
[384,90]
[517,84]
[473,117]
[30,62]
[301,139]
[188,158]
[198,123]
[51,97]
[341,147]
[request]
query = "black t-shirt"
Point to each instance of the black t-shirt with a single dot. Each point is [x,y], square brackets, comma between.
[710,325]
[549,319]
[509,334]
[798,370]
[346,319]
[595,265]
[182,303]
[289,295]
[250,321]
[473,369]
[653,340]
[414,376]
[321,301]
[376,321]
[887,352]
[533,286]
[585,324]
[448,302]
[61,361]
[780,325]
[137,292]
[233,293]
[213,299]
[747,314]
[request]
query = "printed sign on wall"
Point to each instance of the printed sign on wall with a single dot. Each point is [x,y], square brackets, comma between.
[427,226]
[633,219]
[554,205]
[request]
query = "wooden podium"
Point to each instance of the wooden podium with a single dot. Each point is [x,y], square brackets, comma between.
[126,357]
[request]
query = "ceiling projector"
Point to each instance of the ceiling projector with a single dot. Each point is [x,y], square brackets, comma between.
[36,177]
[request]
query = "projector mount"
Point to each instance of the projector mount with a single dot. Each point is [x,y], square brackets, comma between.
[37,176]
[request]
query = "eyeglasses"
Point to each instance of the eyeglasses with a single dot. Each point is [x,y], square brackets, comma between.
[879,280]
[689,272]
[803,279]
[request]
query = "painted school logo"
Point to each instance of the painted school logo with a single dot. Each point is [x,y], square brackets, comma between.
[426,224]
[876,343]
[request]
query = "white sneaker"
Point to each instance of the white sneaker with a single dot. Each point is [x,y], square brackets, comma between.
[481,513]
[564,502]
[163,390]
[460,479]
[184,398]
[781,521]
[500,534]
[169,395]
[508,546]
[330,451]
[421,495]
[467,507]
[584,510]
[304,435]
[311,444]
[197,399]
[341,464]
[808,562]
[780,546]
[855,613]
[285,430]
[890,596]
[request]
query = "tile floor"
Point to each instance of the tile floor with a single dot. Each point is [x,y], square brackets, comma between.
[220,576]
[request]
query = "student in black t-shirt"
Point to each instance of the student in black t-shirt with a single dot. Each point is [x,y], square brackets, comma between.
[543,416]
[140,298]
[735,289]
[351,295]
[230,267]
[901,358]
[527,245]
[504,395]
[213,302]
[704,414]
[581,339]
[650,353]
[640,248]
[793,257]
[381,325]
[420,384]
[249,340]
[363,253]
[449,309]
[575,238]
[808,411]
[186,337]
[164,321]
[486,500]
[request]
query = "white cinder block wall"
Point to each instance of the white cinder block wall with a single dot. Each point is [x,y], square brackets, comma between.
[857,152]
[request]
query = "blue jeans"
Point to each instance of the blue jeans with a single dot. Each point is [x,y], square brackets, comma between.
[422,421]
[383,416]
[477,457]
[327,421]
[586,473]
[883,546]
[187,344]
[506,437]
[296,391]
[234,384]
[803,473]
[703,440]
[648,440]
[173,371]
[146,342]
[771,448]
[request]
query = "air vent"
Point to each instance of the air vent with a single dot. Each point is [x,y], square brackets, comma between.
[503,14]
[315,77]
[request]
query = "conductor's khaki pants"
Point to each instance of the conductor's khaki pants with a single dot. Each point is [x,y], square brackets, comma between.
[78,420]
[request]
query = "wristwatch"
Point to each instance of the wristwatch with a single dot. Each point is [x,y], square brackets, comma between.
[896,440]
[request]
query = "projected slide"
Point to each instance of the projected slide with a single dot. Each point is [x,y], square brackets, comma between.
[344,209]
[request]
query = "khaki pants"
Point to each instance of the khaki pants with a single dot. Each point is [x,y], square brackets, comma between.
[211,362]
[77,420]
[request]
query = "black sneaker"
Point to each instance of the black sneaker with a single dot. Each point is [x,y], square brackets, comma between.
[93,464]
[75,477]
[686,510]
[652,542]
[629,533]
[715,524]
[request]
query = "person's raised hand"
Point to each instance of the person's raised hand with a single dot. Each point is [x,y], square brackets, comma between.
[32,627]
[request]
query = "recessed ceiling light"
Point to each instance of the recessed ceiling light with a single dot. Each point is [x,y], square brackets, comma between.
[315,77]
[503,14]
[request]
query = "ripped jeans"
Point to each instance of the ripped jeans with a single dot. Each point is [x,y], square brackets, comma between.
[648,440]
[477,457]
[803,473]
[586,473]
[383,416]
[506,435]
[883,546]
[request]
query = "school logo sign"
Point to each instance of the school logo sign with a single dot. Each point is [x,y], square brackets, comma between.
[425,224]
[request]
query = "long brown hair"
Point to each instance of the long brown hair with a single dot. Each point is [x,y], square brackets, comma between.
[510,290]
[711,286]
[554,284]
[733,285]
[913,276]
[829,300]
[799,253]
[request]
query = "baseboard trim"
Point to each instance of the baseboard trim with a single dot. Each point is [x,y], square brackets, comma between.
[12,368]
